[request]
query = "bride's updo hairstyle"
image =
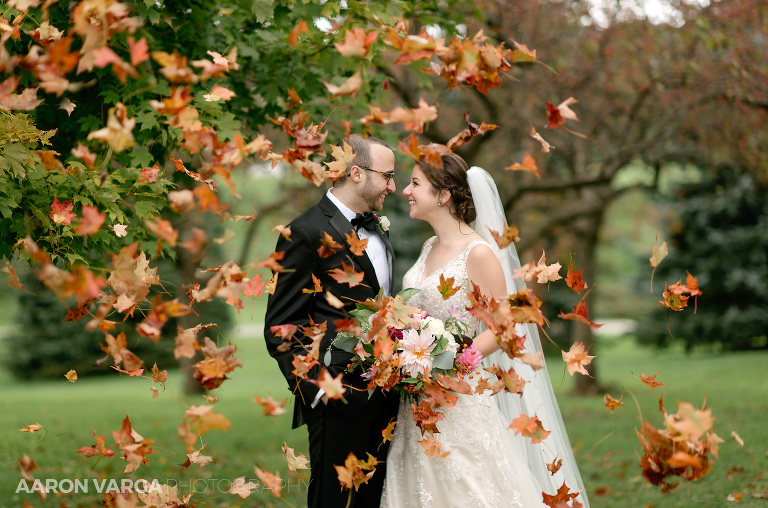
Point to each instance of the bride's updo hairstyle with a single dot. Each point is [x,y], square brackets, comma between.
[453,178]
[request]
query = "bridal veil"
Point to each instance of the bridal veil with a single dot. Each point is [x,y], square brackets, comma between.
[538,396]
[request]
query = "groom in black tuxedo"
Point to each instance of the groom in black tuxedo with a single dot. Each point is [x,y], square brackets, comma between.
[336,428]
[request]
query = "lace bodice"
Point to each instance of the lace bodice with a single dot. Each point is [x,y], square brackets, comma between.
[429,298]
[480,469]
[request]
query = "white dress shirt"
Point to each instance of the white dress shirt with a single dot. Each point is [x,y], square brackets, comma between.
[375,250]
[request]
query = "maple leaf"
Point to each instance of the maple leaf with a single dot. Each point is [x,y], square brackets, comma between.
[348,88]
[139,50]
[91,221]
[352,474]
[650,381]
[25,101]
[469,133]
[521,53]
[562,497]
[328,246]
[120,230]
[27,465]
[513,383]
[545,146]
[356,42]
[333,300]
[71,376]
[573,280]
[195,176]
[576,358]
[294,462]
[332,386]
[212,371]
[454,384]
[580,314]
[356,245]
[300,28]
[414,118]
[159,376]
[196,458]
[343,156]
[389,431]
[528,164]
[13,278]
[271,481]
[347,275]
[242,489]
[97,449]
[118,133]
[611,403]
[31,428]
[554,466]
[446,287]
[219,93]
[149,175]
[61,213]
[271,406]
[133,447]
[285,231]
[164,230]
[547,273]
[81,152]
[673,298]
[557,116]
[426,418]
[530,427]
[302,365]
[433,447]
[506,237]
[658,254]
[254,287]
[440,396]
[203,419]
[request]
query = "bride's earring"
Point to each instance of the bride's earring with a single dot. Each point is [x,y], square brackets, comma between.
[439,203]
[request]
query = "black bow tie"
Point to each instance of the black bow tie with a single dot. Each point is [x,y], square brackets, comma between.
[364,220]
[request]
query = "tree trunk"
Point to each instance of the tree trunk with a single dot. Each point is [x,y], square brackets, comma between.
[586,251]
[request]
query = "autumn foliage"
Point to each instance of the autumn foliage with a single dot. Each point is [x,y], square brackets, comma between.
[92,206]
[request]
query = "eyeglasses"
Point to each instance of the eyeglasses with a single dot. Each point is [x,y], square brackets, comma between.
[389,175]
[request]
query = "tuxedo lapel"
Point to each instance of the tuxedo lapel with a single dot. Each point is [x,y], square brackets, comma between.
[390,258]
[342,226]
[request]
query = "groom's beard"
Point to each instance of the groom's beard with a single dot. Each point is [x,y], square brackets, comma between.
[371,196]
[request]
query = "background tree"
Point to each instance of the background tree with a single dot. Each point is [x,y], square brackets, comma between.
[720,222]
[651,98]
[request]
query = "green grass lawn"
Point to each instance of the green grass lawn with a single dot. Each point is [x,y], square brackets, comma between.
[735,386]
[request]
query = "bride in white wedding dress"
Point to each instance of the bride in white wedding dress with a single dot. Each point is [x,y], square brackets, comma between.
[488,465]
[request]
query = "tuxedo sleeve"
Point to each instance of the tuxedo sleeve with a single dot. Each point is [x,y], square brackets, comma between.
[290,305]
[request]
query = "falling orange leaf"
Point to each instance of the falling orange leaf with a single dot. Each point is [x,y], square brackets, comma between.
[576,358]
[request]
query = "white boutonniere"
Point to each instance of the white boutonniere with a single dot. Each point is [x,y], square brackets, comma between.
[382,222]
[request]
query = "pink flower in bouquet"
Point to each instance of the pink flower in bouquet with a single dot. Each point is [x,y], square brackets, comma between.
[468,359]
[416,352]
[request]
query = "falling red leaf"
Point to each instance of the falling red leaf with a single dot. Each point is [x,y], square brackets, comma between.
[61,213]
[91,221]
[580,314]
[530,427]
[573,280]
